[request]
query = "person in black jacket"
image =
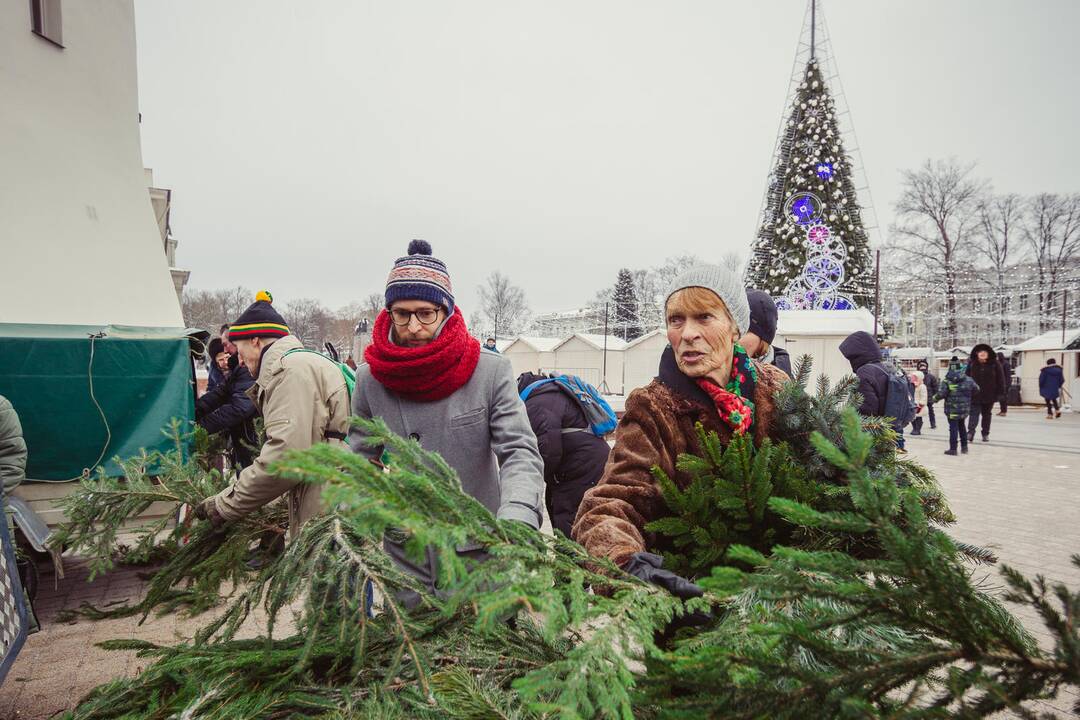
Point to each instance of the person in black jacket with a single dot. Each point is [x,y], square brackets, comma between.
[227,408]
[985,370]
[1007,370]
[932,382]
[573,457]
[762,330]
[864,354]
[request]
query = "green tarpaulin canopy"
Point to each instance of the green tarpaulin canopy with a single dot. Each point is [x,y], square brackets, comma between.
[141,378]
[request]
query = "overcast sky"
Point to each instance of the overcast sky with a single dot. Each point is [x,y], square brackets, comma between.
[557,141]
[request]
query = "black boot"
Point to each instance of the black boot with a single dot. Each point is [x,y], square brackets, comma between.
[951,451]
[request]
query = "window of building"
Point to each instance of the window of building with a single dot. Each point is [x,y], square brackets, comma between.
[1021,327]
[45,20]
[1023,303]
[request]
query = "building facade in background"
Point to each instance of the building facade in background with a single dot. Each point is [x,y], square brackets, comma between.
[80,240]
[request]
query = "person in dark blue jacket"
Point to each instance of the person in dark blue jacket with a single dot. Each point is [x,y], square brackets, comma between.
[1051,380]
[228,408]
[574,458]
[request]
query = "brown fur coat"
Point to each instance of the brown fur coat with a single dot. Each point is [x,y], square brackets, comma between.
[658,425]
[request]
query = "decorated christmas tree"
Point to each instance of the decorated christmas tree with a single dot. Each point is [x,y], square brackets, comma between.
[812,248]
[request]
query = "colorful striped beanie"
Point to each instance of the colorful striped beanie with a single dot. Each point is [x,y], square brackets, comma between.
[419,276]
[259,320]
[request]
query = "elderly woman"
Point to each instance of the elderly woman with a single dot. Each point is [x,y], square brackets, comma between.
[706,377]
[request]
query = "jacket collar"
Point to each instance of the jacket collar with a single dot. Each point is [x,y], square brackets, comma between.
[680,383]
[270,365]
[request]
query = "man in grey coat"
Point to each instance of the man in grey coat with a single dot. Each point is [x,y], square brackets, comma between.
[425,376]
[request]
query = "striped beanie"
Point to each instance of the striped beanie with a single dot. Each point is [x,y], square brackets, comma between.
[259,320]
[419,276]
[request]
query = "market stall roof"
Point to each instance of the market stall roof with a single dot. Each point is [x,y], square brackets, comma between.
[538,344]
[1051,340]
[823,322]
[120,332]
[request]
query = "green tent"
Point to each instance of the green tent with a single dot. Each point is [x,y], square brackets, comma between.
[86,394]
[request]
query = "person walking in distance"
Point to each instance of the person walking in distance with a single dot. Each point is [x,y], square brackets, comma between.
[985,370]
[921,396]
[930,379]
[956,390]
[1007,370]
[1051,380]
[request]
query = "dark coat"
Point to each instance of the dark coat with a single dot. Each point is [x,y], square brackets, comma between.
[657,427]
[988,375]
[931,380]
[864,354]
[228,408]
[957,390]
[573,461]
[782,360]
[1051,379]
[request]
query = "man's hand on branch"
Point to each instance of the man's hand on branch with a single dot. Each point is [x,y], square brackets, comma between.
[207,510]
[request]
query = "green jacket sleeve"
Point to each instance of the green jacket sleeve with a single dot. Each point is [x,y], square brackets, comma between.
[12,447]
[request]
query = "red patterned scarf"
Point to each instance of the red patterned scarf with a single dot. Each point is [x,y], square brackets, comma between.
[432,372]
[736,402]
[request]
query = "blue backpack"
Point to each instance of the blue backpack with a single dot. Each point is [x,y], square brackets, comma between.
[598,412]
[899,397]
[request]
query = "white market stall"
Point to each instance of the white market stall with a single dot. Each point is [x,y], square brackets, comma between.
[818,333]
[1031,356]
[531,354]
[585,356]
[641,359]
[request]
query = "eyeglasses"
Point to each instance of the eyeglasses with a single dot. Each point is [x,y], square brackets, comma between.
[426,316]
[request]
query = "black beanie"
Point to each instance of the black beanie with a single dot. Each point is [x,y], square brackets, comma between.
[762,315]
[259,320]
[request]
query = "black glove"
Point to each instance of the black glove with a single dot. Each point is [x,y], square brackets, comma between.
[648,567]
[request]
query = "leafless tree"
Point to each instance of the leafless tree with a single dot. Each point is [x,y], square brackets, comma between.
[503,305]
[937,221]
[1052,231]
[210,309]
[372,305]
[1000,219]
[733,261]
[308,320]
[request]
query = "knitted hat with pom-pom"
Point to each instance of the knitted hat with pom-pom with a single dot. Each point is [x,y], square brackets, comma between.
[259,320]
[420,276]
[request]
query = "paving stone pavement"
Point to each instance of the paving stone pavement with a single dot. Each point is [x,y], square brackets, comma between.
[1016,494]
[62,662]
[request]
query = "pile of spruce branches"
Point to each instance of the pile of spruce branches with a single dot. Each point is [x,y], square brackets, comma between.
[832,587]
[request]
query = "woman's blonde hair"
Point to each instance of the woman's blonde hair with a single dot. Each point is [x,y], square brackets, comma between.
[695,301]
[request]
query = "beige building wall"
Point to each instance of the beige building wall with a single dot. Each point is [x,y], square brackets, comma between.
[78,236]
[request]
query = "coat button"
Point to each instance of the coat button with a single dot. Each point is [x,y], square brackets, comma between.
[415,436]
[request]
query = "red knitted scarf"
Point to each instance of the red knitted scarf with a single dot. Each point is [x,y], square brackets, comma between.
[427,373]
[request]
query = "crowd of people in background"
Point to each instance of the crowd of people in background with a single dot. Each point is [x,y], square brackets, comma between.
[522,444]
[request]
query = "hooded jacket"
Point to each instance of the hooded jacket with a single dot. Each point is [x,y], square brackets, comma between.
[568,456]
[930,379]
[657,427]
[989,375]
[573,456]
[1051,379]
[956,389]
[864,354]
[304,401]
[12,447]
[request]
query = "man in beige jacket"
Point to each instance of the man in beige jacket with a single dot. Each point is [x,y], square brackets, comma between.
[303,400]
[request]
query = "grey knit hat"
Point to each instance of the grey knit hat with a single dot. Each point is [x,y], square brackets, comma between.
[721,281]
